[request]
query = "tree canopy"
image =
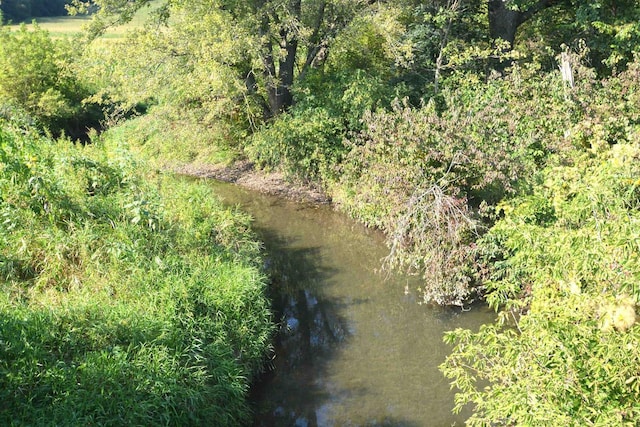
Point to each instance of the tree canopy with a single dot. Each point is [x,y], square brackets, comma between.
[269,44]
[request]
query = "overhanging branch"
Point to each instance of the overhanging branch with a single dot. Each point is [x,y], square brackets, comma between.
[540,5]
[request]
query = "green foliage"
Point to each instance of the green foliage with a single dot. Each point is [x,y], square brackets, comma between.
[425,176]
[308,142]
[303,145]
[168,138]
[446,37]
[611,30]
[564,267]
[608,29]
[125,300]
[373,42]
[189,70]
[356,79]
[261,47]
[36,74]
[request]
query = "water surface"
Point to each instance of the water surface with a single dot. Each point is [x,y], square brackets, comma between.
[356,348]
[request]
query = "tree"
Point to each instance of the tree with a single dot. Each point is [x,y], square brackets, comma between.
[15,10]
[283,38]
[611,28]
[473,34]
[36,74]
[505,17]
[22,10]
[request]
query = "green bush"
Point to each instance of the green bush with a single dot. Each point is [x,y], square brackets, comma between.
[36,75]
[304,144]
[125,300]
[429,176]
[169,137]
[308,142]
[331,100]
[564,268]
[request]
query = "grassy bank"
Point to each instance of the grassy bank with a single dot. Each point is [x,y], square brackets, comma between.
[127,299]
[168,138]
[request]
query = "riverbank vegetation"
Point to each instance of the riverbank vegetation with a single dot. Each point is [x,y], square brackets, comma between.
[37,76]
[128,298]
[564,269]
[495,143]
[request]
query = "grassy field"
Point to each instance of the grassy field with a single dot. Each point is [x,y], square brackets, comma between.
[62,26]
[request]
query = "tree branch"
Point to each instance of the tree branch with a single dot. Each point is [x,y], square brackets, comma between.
[540,5]
[315,44]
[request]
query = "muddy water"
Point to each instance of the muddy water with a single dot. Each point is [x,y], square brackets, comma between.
[355,346]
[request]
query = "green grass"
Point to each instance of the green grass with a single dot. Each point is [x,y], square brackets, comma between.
[67,26]
[126,299]
[63,26]
[169,138]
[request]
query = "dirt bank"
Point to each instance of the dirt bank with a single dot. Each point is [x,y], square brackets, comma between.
[245,174]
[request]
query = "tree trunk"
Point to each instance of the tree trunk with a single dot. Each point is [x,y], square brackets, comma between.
[315,45]
[279,90]
[280,95]
[503,22]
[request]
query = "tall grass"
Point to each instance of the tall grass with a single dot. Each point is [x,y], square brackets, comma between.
[168,137]
[125,299]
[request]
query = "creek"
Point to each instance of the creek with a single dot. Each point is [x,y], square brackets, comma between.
[355,347]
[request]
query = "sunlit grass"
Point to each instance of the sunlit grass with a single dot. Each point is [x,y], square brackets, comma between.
[125,298]
[169,141]
[64,26]
[61,25]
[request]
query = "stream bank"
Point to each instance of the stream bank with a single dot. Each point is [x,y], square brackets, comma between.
[356,347]
[244,174]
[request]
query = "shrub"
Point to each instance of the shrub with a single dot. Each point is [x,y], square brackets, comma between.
[427,176]
[303,145]
[564,268]
[36,75]
[307,142]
